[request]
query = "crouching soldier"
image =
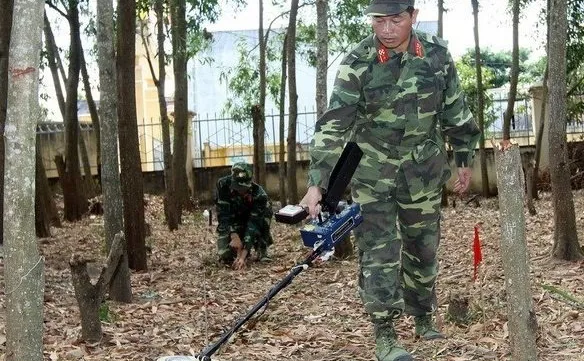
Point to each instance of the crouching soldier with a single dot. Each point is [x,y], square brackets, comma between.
[244,213]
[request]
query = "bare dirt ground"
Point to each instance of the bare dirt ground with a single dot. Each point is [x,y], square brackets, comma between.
[186,299]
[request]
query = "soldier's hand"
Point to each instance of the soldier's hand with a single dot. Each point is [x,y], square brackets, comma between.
[239,264]
[310,201]
[463,182]
[235,242]
[240,260]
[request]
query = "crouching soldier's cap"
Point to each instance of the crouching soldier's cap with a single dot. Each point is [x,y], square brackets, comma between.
[388,7]
[241,174]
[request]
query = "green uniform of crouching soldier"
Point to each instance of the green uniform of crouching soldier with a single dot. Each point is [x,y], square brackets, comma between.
[396,94]
[244,213]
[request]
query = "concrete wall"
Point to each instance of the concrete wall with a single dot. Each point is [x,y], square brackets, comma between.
[206,178]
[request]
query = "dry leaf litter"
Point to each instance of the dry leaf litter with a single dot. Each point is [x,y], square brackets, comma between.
[186,300]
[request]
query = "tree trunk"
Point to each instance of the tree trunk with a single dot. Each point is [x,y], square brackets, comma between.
[565,233]
[90,296]
[514,253]
[440,31]
[52,58]
[76,202]
[94,119]
[23,266]
[45,210]
[120,288]
[258,121]
[179,55]
[170,209]
[481,102]
[321,56]
[282,151]
[529,187]
[5,26]
[260,126]
[540,130]
[293,112]
[88,185]
[131,176]
[171,214]
[510,111]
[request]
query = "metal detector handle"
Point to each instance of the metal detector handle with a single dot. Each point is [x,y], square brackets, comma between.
[341,175]
[206,354]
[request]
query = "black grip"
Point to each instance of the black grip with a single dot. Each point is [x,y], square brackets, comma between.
[341,176]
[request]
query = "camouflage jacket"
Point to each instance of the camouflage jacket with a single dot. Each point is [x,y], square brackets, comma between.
[393,106]
[238,213]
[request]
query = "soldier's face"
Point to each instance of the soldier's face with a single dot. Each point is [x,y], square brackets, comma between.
[394,30]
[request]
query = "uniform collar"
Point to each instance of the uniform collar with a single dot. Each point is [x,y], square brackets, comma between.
[415,48]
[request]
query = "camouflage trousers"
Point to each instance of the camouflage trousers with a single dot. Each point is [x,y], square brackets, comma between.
[260,243]
[399,236]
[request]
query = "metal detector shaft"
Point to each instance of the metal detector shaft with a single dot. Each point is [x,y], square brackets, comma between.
[211,349]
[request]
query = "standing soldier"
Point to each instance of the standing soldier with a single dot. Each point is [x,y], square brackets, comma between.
[396,95]
[244,213]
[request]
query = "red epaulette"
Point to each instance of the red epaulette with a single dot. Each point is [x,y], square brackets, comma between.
[418,48]
[382,54]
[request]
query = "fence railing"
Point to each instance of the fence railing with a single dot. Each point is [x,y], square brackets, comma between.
[219,141]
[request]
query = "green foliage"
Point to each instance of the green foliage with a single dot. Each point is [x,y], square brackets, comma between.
[468,81]
[197,13]
[574,56]
[243,80]
[105,314]
[500,64]
[347,26]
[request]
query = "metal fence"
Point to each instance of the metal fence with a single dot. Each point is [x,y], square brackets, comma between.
[219,141]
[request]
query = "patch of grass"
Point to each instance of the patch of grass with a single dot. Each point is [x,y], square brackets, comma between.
[106,314]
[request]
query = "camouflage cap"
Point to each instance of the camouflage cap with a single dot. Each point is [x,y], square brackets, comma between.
[388,7]
[241,174]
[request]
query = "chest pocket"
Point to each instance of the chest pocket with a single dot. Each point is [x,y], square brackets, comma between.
[430,92]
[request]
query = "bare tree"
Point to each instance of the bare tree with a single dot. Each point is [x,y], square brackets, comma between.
[259,118]
[57,72]
[24,267]
[179,56]
[282,136]
[480,101]
[75,203]
[131,176]
[540,130]
[565,233]
[170,209]
[94,122]
[510,111]
[120,288]
[293,104]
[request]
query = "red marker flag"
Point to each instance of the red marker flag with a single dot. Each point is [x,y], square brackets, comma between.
[477,253]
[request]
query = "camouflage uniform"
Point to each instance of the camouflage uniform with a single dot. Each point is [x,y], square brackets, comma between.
[398,112]
[247,213]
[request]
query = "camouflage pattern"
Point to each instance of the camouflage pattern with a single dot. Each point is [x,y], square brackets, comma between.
[398,112]
[248,214]
[388,7]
